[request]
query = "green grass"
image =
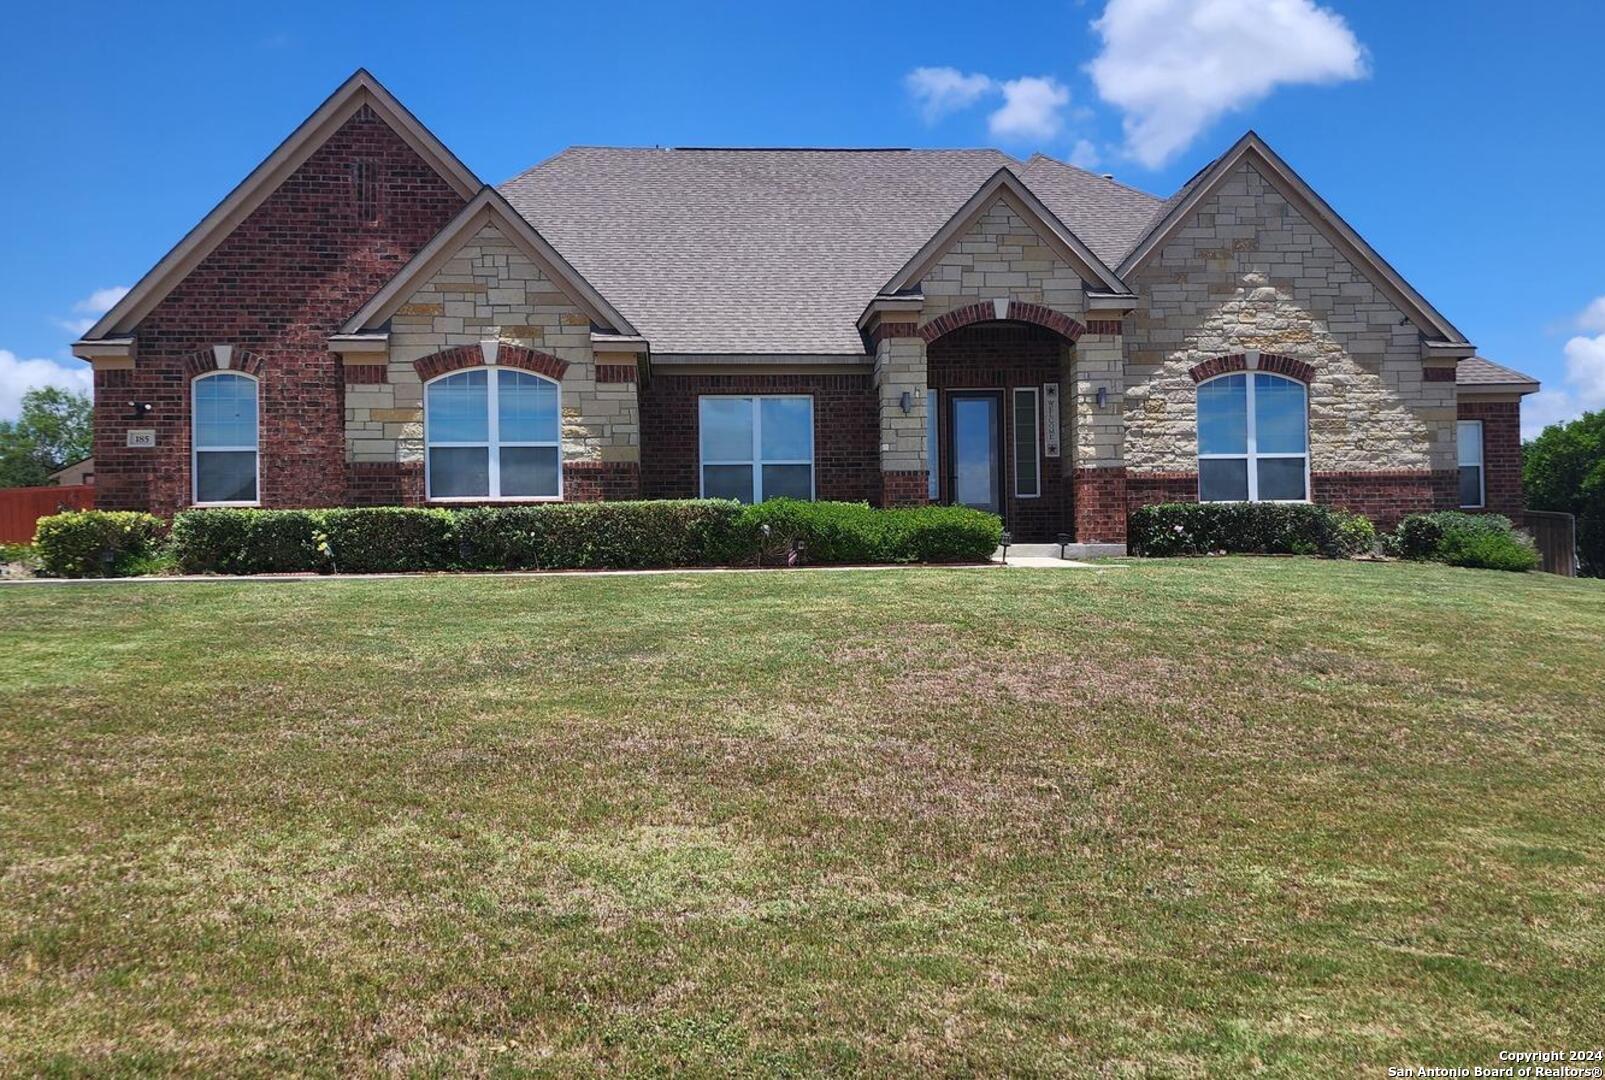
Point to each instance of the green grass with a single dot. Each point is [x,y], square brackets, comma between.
[1175,818]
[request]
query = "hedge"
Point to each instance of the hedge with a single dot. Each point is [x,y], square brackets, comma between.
[856,533]
[98,543]
[1487,541]
[607,535]
[1248,528]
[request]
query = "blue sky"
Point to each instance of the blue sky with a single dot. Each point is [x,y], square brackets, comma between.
[1467,146]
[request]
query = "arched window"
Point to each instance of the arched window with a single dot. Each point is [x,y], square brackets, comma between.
[223,442]
[1253,439]
[492,433]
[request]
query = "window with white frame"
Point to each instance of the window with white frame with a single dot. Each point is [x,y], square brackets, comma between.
[223,442]
[1253,439]
[1468,434]
[1027,455]
[492,433]
[757,448]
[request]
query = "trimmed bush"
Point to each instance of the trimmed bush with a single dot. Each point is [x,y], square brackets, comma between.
[1486,541]
[388,539]
[836,532]
[230,541]
[1169,529]
[615,536]
[98,543]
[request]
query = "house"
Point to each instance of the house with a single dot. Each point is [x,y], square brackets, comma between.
[75,473]
[363,322]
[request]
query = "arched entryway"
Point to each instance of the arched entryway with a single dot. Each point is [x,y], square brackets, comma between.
[992,417]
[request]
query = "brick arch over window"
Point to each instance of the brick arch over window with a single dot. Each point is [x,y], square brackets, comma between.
[199,363]
[1014,311]
[466,356]
[1270,362]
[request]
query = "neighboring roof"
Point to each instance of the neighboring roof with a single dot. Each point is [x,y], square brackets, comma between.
[486,208]
[1477,372]
[724,251]
[359,90]
[1254,149]
[1003,184]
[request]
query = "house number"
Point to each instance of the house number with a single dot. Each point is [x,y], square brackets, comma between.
[1050,419]
[143,438]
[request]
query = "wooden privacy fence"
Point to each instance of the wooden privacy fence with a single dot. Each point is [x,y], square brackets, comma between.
[1555,533]
[20,508]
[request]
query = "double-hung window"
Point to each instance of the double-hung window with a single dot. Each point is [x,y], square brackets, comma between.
[756,448]
[1468,434]
[492,433]
[1253,439]
[223,443]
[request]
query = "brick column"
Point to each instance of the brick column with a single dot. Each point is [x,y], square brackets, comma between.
[899,370]
[1096,434]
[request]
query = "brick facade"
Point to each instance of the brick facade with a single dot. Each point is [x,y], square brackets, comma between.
[278,286]
[846,428]
[1501,453]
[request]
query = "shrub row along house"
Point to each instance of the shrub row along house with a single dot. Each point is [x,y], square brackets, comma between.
[364,322]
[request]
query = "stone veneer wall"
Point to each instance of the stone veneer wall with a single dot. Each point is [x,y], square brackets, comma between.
[277,286]
[491,290]
[1250,272]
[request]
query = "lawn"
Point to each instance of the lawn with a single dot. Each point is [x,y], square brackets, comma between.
[1175,818]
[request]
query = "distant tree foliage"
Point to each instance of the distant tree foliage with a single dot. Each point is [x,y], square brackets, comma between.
[1564,469]
[53,429]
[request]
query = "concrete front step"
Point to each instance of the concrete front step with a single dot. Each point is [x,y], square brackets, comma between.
[1052,551]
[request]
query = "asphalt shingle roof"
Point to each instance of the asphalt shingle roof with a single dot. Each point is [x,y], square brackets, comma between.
[1477,371]
[778,251]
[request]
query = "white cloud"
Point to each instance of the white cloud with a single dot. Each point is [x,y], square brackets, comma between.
[17,376]
[1175,66]
[1085,155]
[1584,389]
[1593,316]
[942,90]
[91,308]
[101,300]
[1031,109]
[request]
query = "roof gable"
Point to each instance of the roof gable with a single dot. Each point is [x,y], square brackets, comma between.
[486,208]
[1004,185]
[1254,150]
[360,90]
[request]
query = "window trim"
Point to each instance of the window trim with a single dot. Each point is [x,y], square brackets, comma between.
[1251,453]
[757,462]
[493,475]
[195,450]
[1036,437]
[1481,465]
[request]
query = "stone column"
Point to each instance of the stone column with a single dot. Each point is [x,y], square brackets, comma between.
[602,430]
[1096,434]
[900,370]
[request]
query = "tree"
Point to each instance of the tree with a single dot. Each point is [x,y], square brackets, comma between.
[53,429]
[1564,469]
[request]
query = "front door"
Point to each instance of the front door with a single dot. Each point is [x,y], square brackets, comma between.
[975,466]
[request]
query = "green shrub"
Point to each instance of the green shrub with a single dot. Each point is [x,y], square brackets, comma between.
[1168,529]
[230,541]
[606,535]
[388,539]
[98,543]
[1488,541]
[837,532]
